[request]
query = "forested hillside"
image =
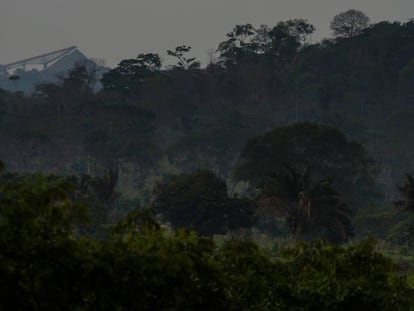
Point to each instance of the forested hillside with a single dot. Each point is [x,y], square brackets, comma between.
[276,137]
[262,79]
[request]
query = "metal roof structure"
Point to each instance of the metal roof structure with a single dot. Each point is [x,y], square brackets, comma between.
[44,59]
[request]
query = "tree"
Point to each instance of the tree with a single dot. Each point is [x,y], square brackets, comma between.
[325,150]
[356,277]
[79,80]
[349,23]
[239,45]
[150,62]
[46,265]
[128,77]
[301,29]
[199,201]
[279,45]
[37,219]
[71,93]
[310,209]
[184,62]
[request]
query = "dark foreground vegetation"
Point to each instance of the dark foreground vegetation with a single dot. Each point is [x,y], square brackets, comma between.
[47,263]
[153,188]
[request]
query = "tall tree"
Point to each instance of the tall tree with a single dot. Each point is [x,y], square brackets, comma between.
[323,149]
[349,23]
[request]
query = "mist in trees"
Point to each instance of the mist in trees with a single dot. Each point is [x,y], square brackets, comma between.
[178,174]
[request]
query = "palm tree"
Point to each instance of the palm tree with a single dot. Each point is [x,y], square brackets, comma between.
[311,210]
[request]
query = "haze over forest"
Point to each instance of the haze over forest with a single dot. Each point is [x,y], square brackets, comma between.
[279,175]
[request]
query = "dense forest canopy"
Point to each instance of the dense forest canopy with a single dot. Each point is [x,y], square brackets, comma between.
[148,181]
[47,263]
[149,120]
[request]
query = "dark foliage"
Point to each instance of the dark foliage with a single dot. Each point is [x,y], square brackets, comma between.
[44,266]
[310,209]
[199,201]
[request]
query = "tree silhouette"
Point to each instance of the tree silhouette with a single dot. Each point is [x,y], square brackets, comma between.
[349,23]
[239,46]
[184,62]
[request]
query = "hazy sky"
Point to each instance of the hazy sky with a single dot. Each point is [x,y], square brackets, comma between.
[118,29]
